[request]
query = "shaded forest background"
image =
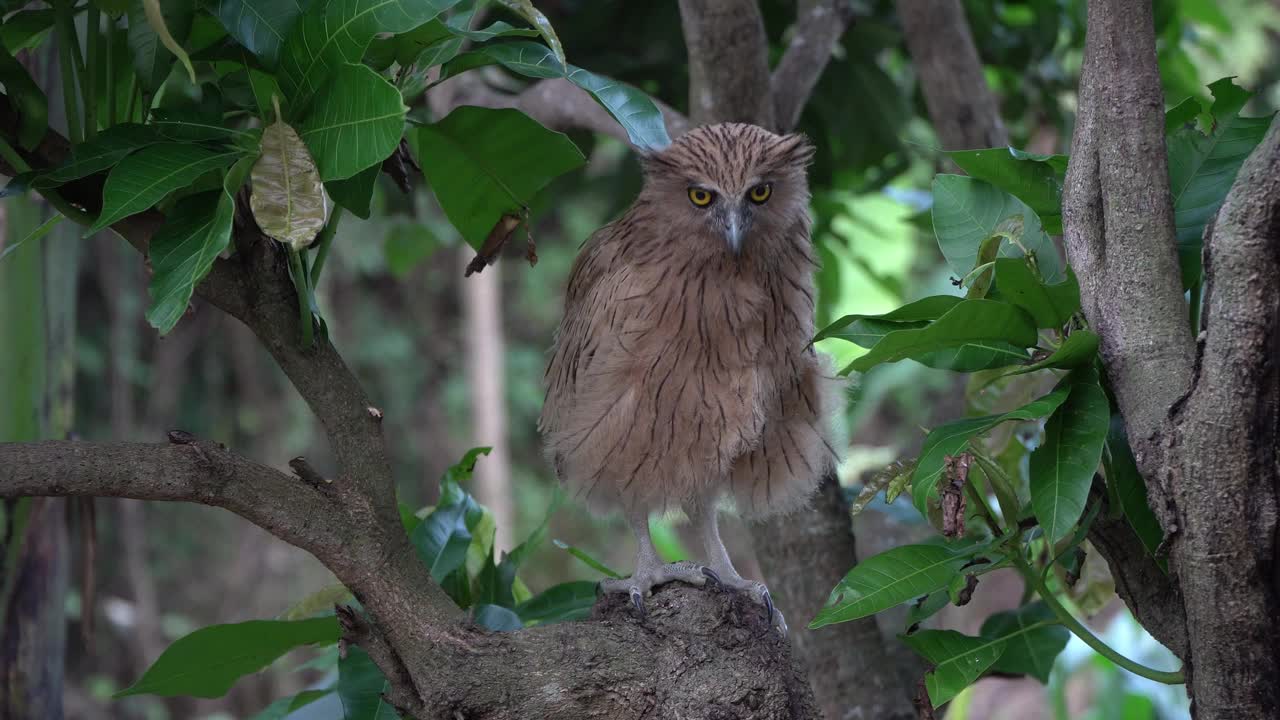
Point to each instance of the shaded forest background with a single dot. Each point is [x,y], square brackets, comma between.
[458,362]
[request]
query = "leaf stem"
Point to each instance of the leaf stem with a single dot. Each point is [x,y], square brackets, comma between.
[299,274]
[323,242]
[1075,626]
[111,72]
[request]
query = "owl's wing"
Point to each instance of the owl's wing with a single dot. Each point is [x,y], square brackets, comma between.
[594,281]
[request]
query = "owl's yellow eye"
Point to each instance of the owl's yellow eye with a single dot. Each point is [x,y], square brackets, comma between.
[700,197]
[760,193]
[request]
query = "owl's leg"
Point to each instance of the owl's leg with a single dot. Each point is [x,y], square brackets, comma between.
[704,518]
[650,570]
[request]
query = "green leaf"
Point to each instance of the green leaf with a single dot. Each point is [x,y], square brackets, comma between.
[25,29]
[1203,168]
[1062,468]
[483,164]
[28,99]
[331,34]
[1032,640]
[929,308]
[559,603]
[1184,113]
[284,707]
[207,662]
[100,153]
[156,19]
[928,606]
[187,126]
[1078,350]
[1034,179]
[288,199]
[355,123]
[969,322]
[407,245]
[526,10]
[496,618]
[183,251]
[633,110]
[442,538]
[356,192]
[495,30]
[957,659]
[261,25]
[951,438]
[145,177]
[150,58]
[967,211]
[1123,475]
[890,579]
[1051,306]
[361,686]
[585,558]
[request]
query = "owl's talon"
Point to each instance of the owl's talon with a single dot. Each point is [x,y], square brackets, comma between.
[711,575]
[768,606]
[637,601]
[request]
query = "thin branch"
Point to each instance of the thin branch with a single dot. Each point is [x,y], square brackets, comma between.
[818,29]
[728,62]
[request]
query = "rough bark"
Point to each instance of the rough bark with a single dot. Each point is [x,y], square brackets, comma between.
[728,62]
[962,108]
[34,632]
[818,28]
[1203,418]
[1221,479]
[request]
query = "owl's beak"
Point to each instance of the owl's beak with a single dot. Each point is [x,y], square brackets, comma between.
[735,229]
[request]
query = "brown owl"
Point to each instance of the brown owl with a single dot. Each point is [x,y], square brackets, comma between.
[682,374]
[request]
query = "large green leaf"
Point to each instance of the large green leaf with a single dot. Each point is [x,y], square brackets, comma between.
[1202,169]
[1034,179]
[356,122]
[101,152]
[356,192]
[929,308]
[1079,349]
[331,34]
[968,322]
[952,437]
[261,25]
[967,211]
[563,602]
[633,110]
[1051,306]
[208,662]
[183,251]
[483,164]
[1062,468]
[1032,640]
[360,688]
[145,177]
[890,579]
[26,29]
[28,99]
[1129,487]
[957,659]
[151,60]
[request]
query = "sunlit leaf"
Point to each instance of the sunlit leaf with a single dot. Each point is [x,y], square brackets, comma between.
[890,579]
[1062,467]
[957,659]
[288,199]
[145,177]
[969,321]
[355,123]
[207,662]
[967,211]
[483,164]
[1034,179]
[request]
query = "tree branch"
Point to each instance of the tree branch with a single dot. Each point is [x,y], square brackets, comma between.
[1118,219]
[1223,468]
[728,62]
[556,103]
[818,29]
[961,106]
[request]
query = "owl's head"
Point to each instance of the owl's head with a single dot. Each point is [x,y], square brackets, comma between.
[738,183]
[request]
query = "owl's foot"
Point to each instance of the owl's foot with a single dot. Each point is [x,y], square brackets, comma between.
[757,591]
[647,577]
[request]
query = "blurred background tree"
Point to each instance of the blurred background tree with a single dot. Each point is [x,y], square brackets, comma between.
[458,362]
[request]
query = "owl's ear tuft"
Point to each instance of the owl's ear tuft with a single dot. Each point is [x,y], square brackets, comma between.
[795,149]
